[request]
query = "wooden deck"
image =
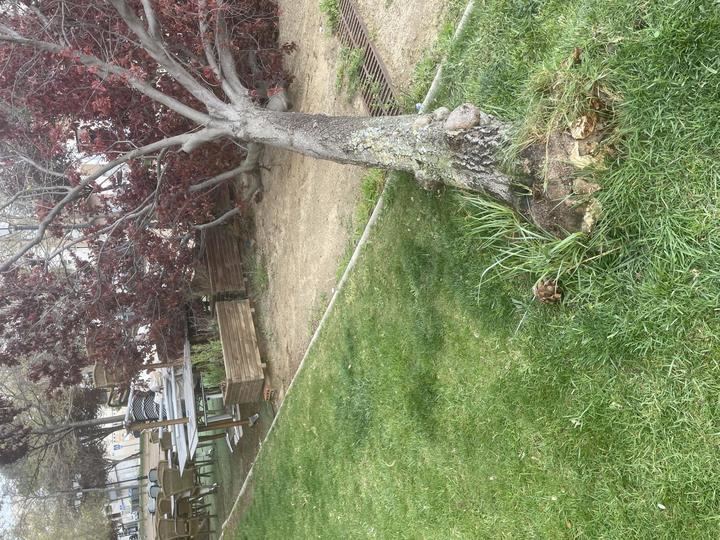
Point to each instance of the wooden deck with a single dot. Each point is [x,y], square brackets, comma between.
[225,270]
[243,366]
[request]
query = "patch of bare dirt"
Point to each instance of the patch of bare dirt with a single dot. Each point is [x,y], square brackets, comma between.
[302,224]
[402,32]
[563,202]
[303,221]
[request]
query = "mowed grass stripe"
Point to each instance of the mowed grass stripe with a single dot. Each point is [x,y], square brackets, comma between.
[437,408]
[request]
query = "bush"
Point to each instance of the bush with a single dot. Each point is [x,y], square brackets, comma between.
[208,359]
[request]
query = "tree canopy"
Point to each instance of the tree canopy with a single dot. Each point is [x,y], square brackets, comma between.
[168,101]
[105,191]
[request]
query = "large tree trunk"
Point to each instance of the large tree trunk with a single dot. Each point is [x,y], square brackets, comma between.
[459,148]
[423,145]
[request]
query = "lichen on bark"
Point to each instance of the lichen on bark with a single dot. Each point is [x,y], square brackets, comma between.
[461,148]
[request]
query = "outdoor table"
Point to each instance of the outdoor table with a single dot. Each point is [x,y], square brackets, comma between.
[179,400]
[179,415]
[204,401]
[174,410]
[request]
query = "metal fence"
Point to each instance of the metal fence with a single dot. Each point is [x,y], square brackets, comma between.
[375,87]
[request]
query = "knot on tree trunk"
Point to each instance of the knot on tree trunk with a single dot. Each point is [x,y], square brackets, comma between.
[545,189]
[463,118]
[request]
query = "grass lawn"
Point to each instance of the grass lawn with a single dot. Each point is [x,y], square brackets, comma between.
[442,402]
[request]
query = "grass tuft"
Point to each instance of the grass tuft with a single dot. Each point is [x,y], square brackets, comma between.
[331,11]
[350,63]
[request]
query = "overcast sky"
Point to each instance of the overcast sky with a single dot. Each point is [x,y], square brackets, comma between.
[5,510]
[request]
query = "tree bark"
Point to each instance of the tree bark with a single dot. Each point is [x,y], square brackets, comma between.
[461,149]
[427,146]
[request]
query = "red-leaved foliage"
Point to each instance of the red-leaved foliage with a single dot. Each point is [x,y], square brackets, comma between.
[126,282]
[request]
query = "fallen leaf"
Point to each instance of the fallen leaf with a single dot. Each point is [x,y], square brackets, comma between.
[593,212]
[584,126]
[582,161]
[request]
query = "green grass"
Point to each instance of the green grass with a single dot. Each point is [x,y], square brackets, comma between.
[350,63]
[259,279]
[371,187]
[442,401]
[331,11]
[316,313]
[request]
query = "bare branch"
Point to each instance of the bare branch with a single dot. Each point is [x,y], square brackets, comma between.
[220,178]
[227,215]
[12,200]
[204,136]
[30,193]
[75,192]
[153,25]
[207,47]
[105,68]
[10,32]
[38,166]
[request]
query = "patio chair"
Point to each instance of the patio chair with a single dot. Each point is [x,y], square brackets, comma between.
[183,508]
[163,505]
[165,530]
[161,466]
[172,483]
[165,466]
[172,529]
[153,475]
[186,508]
[165,441]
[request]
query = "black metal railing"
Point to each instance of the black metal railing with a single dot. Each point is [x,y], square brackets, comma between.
[375,87]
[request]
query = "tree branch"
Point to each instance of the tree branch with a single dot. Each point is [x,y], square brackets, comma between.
[237,91]
[227,215]
[38,166]
[220,178]
[153,25]
[201,137]
[155,49]
[106,68]
[207,47]
[74,193]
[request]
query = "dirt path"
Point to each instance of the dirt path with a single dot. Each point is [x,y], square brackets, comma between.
[302,224]
[402,32]
[303,220]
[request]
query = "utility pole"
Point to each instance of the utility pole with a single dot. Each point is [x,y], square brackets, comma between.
[110,486]
[82,423]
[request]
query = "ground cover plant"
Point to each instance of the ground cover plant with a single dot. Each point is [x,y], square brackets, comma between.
[443,401]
